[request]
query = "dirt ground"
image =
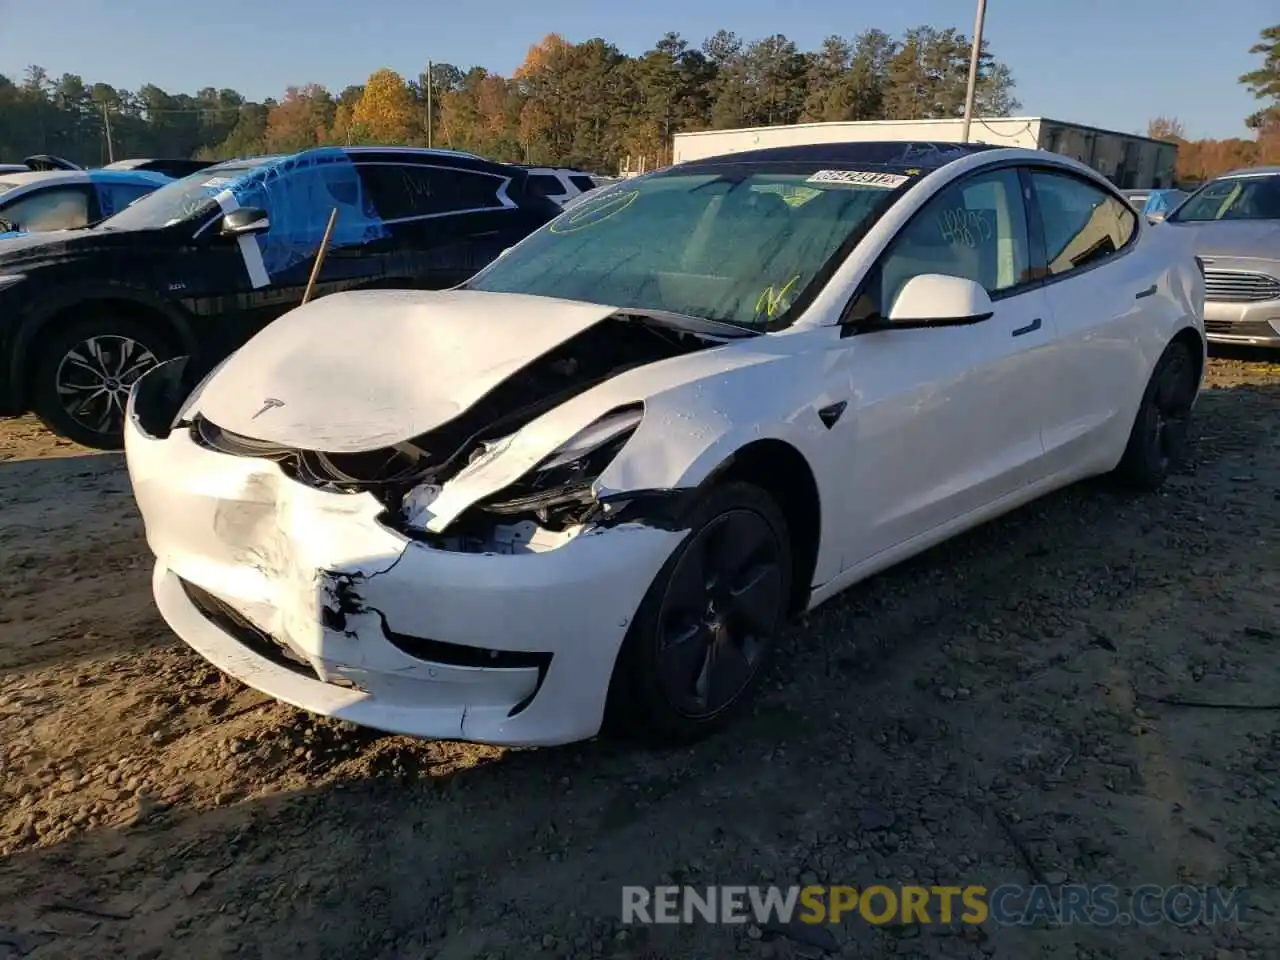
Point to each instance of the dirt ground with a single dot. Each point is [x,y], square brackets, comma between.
[1003,709]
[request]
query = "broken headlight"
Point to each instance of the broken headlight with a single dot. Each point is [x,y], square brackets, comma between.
[566,476]
[193,398]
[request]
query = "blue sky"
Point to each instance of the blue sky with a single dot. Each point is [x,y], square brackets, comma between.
[1112,64]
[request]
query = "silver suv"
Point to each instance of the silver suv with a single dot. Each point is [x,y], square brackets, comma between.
[1235,229]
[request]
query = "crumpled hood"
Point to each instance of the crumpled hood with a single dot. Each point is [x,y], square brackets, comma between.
[370,368]
[1258,239]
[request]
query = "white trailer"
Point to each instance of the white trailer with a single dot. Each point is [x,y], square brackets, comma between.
[1130,160]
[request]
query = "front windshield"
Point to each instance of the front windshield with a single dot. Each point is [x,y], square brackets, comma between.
[1233,198]
[737,244]
[185,199]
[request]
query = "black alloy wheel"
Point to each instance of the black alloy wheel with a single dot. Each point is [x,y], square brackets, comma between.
[85,372]
[700,642]
[1159,440]
[94,378]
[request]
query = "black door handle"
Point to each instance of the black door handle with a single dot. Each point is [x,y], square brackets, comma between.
[1031,327]
[1149,292]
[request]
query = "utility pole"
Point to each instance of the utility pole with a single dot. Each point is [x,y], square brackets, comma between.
[106,123]
[430,84]
[975,55]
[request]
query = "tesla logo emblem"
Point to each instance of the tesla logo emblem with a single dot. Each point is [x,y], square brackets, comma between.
[268,404]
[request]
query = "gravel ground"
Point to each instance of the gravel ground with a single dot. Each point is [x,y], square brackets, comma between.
[1002,709]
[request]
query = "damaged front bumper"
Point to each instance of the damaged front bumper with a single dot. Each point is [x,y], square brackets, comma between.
[307,596]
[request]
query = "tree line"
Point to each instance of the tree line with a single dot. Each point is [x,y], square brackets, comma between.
[1205,159]
[580,104]
[585,105]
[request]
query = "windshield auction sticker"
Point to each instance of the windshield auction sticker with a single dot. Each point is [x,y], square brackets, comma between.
[860,178]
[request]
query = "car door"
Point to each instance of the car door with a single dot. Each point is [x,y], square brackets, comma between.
[947,418]
[1098,288]
[445,222]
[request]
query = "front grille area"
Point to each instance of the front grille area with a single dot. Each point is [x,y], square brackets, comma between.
[1258,329]
[1230,286]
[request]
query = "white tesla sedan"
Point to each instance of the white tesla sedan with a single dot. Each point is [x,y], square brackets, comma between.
[594,481]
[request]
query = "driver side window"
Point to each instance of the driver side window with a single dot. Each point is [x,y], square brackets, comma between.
[975,229]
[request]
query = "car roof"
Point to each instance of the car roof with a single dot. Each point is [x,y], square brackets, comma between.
[27,178]
[1267,171]
[142,177]
[370,154]
[922,154]
[417,151]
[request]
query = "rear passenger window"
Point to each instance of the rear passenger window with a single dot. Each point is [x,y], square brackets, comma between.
[545,185]
[1082,223]
[114,197]
[401,191]
[583,183]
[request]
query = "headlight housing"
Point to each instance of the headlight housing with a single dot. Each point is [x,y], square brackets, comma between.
[193,398]
[567,475]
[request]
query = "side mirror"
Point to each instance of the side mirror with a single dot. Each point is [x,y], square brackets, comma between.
[244,222]
[1157,217]
[937,300]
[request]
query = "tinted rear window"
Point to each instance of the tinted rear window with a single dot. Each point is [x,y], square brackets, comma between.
[401,191]
[544,185]
[582,182]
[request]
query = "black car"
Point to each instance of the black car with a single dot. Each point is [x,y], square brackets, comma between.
[200,265]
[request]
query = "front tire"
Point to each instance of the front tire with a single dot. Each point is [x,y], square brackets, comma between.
[702,638]
[83,373]
[1158,441]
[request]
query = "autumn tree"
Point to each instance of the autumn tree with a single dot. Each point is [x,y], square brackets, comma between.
[583,103]
[1166,128]
[300,120]
[386,111]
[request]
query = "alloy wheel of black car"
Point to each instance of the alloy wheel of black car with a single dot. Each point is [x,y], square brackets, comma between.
[94,378]
[84,373]
[700,642]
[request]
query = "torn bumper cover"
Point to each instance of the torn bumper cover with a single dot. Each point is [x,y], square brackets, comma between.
[309,596]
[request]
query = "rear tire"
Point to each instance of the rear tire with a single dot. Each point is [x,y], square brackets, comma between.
[701,641]
[1158,441]
[83,372]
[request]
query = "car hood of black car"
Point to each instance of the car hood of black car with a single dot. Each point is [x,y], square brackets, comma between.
[26,250]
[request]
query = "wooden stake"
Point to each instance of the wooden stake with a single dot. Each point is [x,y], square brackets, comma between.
[324,248]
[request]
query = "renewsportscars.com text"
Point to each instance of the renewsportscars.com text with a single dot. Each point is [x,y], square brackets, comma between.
[1007,905]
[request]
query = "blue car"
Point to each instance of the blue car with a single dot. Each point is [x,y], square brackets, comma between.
[1162,202]
[35,201]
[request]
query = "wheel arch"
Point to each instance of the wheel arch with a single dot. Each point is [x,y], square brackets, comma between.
[167,318]
[782,471]
[1196,343]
